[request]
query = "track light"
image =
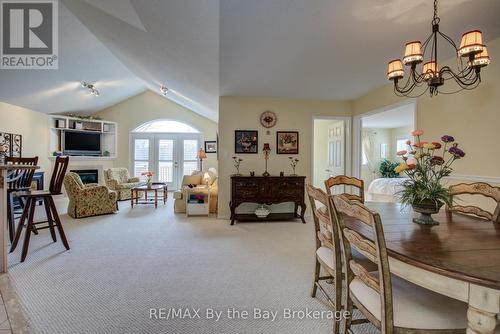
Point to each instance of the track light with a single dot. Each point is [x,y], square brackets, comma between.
[163,90]
[91,88]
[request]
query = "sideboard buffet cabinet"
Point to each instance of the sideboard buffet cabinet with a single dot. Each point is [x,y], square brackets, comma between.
[267,190]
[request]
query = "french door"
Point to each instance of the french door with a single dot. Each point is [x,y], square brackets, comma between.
[168,156]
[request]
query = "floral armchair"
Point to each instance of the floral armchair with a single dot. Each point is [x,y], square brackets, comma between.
[119,180]
[88,200]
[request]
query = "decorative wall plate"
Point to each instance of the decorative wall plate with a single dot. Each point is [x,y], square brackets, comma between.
[268,119]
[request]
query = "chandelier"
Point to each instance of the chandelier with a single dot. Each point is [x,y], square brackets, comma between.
[471,56]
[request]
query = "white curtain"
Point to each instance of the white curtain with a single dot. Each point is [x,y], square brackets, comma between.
[368,142]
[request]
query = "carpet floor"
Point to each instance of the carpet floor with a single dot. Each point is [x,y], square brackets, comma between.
[125,271]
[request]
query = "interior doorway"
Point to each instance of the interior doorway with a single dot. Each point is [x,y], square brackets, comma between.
[331,148]
[379,135]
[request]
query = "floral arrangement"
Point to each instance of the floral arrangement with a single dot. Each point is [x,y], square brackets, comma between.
[237,162]
[149,177]
[293,163]
[425,164]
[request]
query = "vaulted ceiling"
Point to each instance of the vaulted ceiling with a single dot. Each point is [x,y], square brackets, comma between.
[202,49]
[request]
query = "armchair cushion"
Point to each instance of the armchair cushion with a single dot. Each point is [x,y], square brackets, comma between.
[88,200]
[119,180]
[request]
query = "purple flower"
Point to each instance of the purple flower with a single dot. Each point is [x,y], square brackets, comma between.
[456,152]
[447,139]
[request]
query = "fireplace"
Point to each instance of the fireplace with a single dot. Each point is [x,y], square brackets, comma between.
[87,175]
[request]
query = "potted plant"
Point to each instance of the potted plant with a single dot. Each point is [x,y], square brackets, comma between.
[386,169]
[425,164]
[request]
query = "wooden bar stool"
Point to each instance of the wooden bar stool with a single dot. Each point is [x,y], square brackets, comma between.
[53,220]
[18,180]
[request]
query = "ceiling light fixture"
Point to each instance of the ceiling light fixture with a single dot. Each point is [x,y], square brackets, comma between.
[91,88]
[467,76]
[163,90]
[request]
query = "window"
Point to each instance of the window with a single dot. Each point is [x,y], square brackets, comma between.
[141,157]
[164,125]
[401,144]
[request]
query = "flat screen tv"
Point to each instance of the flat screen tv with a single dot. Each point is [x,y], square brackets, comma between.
[81,143]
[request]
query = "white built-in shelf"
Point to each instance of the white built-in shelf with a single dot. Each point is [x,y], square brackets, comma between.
[107,129]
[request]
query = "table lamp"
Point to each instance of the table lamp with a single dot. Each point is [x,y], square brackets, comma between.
[201,155]
[267,150]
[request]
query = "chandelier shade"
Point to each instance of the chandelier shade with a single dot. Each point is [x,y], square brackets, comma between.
[395,69]
[471,43]
[432,75]
[413,53]
[481,59]
[429,70]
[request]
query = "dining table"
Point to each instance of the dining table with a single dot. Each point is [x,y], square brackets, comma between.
[5,170]
[459,258]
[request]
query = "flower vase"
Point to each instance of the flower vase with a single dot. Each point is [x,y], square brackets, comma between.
[149,183]
[426,210]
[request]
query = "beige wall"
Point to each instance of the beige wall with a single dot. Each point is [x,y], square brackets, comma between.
[472,117]
[149,106]
[34,127]
[242,113]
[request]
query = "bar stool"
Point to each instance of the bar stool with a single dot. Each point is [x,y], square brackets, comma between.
[18,180]
[53,220]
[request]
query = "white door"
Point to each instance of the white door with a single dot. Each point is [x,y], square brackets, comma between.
[142,153]
[336,149]
[166,160]
[168,156]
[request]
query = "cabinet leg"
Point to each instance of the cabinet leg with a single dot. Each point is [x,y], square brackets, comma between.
[302,212]
[233,209]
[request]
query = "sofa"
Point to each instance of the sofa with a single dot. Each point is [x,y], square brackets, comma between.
[119,180]
[197,179]
[88,200]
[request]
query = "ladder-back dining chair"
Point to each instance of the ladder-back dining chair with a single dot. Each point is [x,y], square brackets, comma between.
[328,254]
[56,181]
[478,188]
[390,303]
[18,180]
[342,180]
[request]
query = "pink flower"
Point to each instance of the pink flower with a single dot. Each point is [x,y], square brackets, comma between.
[412,166]
[417,133]
[402,152]
[408,142]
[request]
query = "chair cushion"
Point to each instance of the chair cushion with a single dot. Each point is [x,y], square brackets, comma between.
[326,255]
[191,179]
[413,306]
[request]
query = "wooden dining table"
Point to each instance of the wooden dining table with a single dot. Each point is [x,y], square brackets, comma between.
[4,172]
[459,258]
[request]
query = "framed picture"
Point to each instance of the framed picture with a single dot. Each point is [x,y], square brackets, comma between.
[210,146]
[246,141]
[287,142]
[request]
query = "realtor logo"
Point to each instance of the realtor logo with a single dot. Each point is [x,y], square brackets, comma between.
[29,34]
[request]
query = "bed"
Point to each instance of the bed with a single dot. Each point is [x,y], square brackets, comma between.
[384,189]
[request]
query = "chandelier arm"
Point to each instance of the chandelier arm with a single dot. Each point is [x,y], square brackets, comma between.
[424,45]
[463,82]
[446,37]
[465,75]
